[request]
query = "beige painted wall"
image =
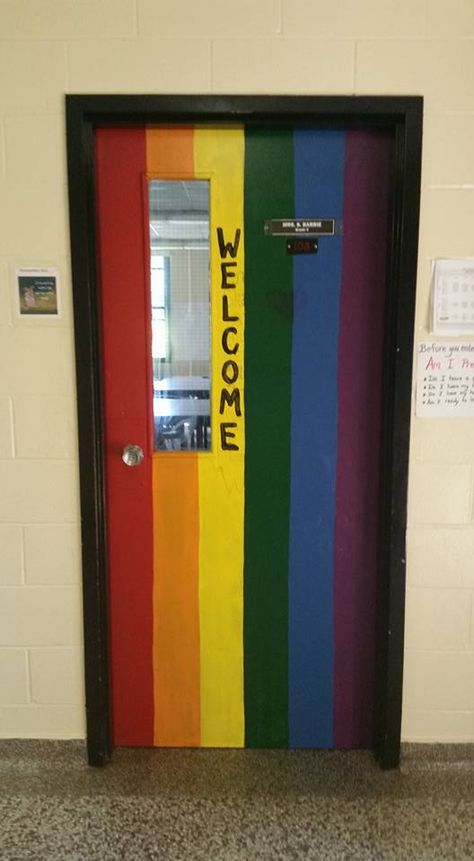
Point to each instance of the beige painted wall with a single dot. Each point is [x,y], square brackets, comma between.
[50,47]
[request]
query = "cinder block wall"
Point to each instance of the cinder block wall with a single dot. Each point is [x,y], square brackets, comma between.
[52,47]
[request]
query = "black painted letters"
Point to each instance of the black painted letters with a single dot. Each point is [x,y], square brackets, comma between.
[227,318]
[228,272]
[228,248]
[230,399]
[226,435]
[231,351]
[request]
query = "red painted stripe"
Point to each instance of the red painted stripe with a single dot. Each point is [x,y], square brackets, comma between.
[123,268]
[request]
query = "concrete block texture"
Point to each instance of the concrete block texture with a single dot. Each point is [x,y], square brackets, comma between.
[367,19]
[423,310]
[52,554]
[55,19]
[40,616]
[14,686]
[446,159]
[282,66]
[11,555]
[33,219]
[442,441]
[45,427]
[37,491]
[56,678]
[440,493]
[438,619]
[40,166]
[32,75]
[35,360]
[38,721]
[6,428]
[5,291]
[147,65]
[443,207]
[440,70]
[209,19]
[2,150]
[441,557]
[433,725]
[449,19]
[437,680]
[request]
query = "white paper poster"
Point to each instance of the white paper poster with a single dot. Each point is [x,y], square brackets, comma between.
[37,291]
[453,297]
[445,379]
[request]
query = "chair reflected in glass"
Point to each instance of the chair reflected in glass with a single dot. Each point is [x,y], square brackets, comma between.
[182,414]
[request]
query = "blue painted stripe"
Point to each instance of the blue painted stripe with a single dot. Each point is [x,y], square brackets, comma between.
[319,173]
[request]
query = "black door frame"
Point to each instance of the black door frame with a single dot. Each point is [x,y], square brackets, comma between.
[402,114]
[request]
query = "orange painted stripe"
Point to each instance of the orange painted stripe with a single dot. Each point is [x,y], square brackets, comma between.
[170,152]
[176,600]
[176,661]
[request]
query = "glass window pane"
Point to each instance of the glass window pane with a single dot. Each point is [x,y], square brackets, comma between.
[157,286]
[158,328]
[180,294]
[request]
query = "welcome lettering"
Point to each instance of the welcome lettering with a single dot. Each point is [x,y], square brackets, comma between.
[230,397]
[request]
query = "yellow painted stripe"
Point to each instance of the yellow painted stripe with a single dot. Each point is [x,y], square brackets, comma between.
[219,154]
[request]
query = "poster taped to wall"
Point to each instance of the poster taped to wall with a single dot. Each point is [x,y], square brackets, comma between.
[445,379]
[453,297]
[37,291]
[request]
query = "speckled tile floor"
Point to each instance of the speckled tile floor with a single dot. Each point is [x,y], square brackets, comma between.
[172,805]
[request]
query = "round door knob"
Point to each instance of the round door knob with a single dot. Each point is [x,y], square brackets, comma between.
[132,455]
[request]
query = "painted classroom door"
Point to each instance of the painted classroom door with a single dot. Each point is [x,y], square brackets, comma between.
[242,547]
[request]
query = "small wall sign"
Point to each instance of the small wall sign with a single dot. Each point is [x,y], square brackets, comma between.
[300,227]
[37,291]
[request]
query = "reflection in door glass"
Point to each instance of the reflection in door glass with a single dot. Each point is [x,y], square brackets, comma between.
[180,311]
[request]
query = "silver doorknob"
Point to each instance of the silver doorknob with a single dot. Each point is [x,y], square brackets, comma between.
[132,455]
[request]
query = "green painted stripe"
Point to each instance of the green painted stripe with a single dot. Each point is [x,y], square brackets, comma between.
[269,193]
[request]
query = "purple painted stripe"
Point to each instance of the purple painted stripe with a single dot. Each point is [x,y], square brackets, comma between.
[367,184]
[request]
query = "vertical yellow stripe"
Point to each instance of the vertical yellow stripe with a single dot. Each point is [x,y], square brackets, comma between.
[219,154]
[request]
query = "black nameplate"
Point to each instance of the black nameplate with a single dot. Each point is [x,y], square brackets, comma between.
[300,227]
[302,246]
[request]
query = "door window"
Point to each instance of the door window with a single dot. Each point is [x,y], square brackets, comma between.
[180,306]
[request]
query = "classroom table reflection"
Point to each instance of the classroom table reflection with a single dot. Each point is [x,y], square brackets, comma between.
[182,424]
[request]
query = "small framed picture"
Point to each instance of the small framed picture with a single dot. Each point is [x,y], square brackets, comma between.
[37,292]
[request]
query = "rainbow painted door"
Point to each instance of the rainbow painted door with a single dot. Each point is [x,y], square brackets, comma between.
[242,565]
